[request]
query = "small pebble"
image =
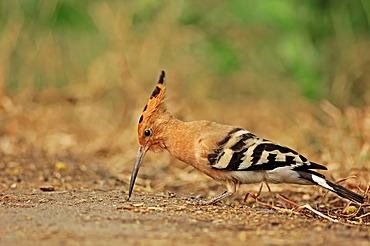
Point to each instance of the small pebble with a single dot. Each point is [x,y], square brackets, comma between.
[47,188]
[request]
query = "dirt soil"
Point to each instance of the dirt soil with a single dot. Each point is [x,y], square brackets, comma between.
[46,205]
[101,217]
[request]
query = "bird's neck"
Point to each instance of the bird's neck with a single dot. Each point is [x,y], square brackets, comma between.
[191,142]
[178,138]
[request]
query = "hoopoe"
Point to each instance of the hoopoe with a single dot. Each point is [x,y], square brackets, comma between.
[228,154]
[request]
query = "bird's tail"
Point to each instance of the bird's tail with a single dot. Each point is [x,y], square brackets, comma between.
[343,192]
[337,189]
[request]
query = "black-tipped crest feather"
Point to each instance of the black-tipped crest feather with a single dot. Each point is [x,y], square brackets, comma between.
[161,77]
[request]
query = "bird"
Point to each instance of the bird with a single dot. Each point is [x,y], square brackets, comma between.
[231,155]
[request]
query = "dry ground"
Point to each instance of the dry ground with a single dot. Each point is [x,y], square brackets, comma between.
[103,217]
[65,164]
[49,204]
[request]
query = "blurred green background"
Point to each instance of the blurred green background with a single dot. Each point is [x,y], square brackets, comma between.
[318,47]
[75,75]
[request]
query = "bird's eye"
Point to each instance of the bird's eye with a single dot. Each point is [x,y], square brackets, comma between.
[147,132]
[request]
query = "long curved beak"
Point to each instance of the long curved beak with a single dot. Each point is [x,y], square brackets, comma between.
[140,155]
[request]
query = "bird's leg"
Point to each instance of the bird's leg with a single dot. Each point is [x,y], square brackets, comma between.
[268,187]
[259,192]
[231,189]
[270,193]
[252,195]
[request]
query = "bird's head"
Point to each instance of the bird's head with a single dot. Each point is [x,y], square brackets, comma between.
[149,127]
[151,118]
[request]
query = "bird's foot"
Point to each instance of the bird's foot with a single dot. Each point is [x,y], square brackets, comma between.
[200,201]
[207,202]
[214,200]
[203,202]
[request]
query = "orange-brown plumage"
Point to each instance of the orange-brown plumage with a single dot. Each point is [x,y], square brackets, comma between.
[153,110]
[228,154]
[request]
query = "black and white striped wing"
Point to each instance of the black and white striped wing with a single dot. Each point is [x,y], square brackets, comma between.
[241,150]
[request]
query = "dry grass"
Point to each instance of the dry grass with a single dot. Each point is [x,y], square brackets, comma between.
[86,133]
[93,118]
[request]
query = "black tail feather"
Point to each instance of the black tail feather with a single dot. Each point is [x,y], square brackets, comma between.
[320,180]
[345,193]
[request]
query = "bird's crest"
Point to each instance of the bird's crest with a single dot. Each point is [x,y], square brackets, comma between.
[154,103]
